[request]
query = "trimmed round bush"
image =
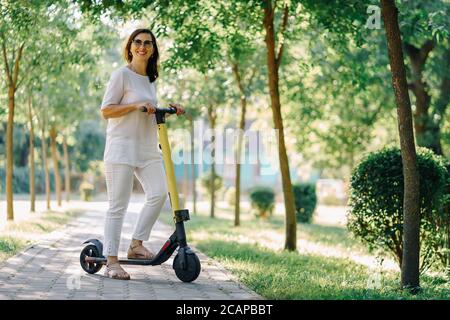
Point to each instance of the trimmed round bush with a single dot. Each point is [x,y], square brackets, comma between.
[305,201]
[376,202]
[263,201]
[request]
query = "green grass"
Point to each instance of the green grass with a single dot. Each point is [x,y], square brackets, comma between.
[253,253]
[18,235]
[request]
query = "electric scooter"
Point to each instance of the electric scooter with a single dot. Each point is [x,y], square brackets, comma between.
[186,263]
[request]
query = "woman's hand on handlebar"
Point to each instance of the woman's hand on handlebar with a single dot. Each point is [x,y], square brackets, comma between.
[150,108]
[180,109]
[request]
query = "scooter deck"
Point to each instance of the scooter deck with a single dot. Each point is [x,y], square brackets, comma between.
[144,262]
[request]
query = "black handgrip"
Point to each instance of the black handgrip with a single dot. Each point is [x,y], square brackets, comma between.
[171,110]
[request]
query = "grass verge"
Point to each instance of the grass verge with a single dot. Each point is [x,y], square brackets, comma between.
[327,270]
[16,236]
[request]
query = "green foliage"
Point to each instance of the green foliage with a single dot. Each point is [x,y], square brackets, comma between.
[305,201]
[341,104]
[21,180]
[263,200]
[9,245]
[205,181]
[90,146]
[424,20]
[376,202]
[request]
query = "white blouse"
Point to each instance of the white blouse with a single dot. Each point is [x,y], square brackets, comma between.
[133,138]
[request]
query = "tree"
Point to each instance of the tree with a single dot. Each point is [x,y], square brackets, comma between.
[213,96]
[243,86]
[274,57]
[31,160]
[411,205]
[425,36]
[337,99]
[49,32]
[12,87]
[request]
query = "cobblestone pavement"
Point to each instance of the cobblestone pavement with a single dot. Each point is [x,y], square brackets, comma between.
[50,269]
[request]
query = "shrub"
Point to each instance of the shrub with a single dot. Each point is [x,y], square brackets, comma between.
[86,190]
[376,202]
[305,201]
[263,201]
[205,181]
[230,196]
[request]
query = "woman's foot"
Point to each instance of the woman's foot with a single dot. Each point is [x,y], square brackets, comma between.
[115,271]
[138,251]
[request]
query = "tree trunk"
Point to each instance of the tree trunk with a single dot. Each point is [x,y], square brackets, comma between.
[11,80]
[411,204]
[10,155]
[194,176]
[45,160]
[213,189]
[273,63]
[212,120]
[66,169]
[55,159]
[31,160]
[423,122]
[237,198]
[442,102]
[185,181]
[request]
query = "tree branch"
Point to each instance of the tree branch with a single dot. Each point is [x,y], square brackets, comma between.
[419,56]
[22,80]
[16,64]
[283,29]
[411,50]
[426,49]
[444,96]
[5,57]
[274,4]
[252,75]
[237,76]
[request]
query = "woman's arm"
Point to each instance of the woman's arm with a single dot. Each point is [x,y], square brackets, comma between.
[119,110]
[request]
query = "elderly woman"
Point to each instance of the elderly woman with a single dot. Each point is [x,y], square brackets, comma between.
[132,148]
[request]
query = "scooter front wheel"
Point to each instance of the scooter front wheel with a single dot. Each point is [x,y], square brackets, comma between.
[190,271]
[90,251]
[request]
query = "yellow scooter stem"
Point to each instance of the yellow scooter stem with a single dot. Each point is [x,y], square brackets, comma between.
[168,165]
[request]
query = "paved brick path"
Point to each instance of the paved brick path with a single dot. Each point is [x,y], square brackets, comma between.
[50,269]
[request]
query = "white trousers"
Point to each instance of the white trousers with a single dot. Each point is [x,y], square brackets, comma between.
[119,185]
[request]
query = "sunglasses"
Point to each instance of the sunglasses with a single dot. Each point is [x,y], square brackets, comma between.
[138,43]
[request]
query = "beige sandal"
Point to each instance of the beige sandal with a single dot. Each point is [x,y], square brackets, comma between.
[115,271]
[139,252]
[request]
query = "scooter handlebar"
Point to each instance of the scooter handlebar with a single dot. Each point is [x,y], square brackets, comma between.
[171,110]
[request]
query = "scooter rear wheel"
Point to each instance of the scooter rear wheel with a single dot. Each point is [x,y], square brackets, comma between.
[191,271]
[90,251]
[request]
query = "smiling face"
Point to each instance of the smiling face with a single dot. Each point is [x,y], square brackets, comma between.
[142,46]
